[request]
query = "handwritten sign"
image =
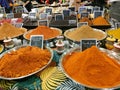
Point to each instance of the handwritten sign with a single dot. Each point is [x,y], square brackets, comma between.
[82,9]
[49,11]
[72,9]
[66,13]
[87,43]
[2,10]
[36,40]
[43,23]
[84,14]
[10,16]
[59,17]
[43,16]
[98,13]
[18,25]
[79,24]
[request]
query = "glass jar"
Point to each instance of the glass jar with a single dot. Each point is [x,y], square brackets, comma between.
[8,42]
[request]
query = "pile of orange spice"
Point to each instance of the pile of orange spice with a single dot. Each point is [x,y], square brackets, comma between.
[93,68]
[44,30]
[23,61]
[100,21]
[85,19]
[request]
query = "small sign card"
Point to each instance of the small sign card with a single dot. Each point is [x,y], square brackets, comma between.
[18,25]
[87,43]
[59,17]
[32,15]
[72,9]
[117,25]
[89,11]
[19,9]
[84,14]
[79,24]
[43,16]
[82,9]
[43,23]
[37,40]
[98,13]
[66,13]
[49,11]
[10,16]
[2,10]
[72,22]
[96,8]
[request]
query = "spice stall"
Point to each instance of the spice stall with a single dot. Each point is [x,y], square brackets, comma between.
[29,67]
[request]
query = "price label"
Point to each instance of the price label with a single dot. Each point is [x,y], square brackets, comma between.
[66,13]
[19,9]
[96,8]
[43,16]
[87,43]
[18,25]
[10,16]
[82,9]
[2,10]
[98,13]
[89,11]
[49,11]
[36,40]
[43,23]
[72,9]
[117,25]
[81,24]
[32,15]
[84,14]
[72,21]
[58,17]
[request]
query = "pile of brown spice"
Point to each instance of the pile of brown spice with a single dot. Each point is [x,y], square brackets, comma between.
[48,33]
[23,61]
[100,21]
[85,32]
[8,30]
[92,68]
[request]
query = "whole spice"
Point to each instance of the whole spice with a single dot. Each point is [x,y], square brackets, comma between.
[44,30]
[8,30]
[100,21]
[83,32]
[23,61]
[92,68]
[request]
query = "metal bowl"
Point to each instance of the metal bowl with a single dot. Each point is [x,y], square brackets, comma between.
[72,29]
[112,54]
[60,32]
[14,78]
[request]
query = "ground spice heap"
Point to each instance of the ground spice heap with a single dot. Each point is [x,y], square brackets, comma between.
[93,68]
[44,30]
[85,19]
[23,61]
[85,31]
[115,33]
[100,21]
[8,30]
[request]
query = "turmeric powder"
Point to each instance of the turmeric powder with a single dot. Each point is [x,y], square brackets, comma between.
[92,68]
[44,30]
[100,21]
[23,61]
